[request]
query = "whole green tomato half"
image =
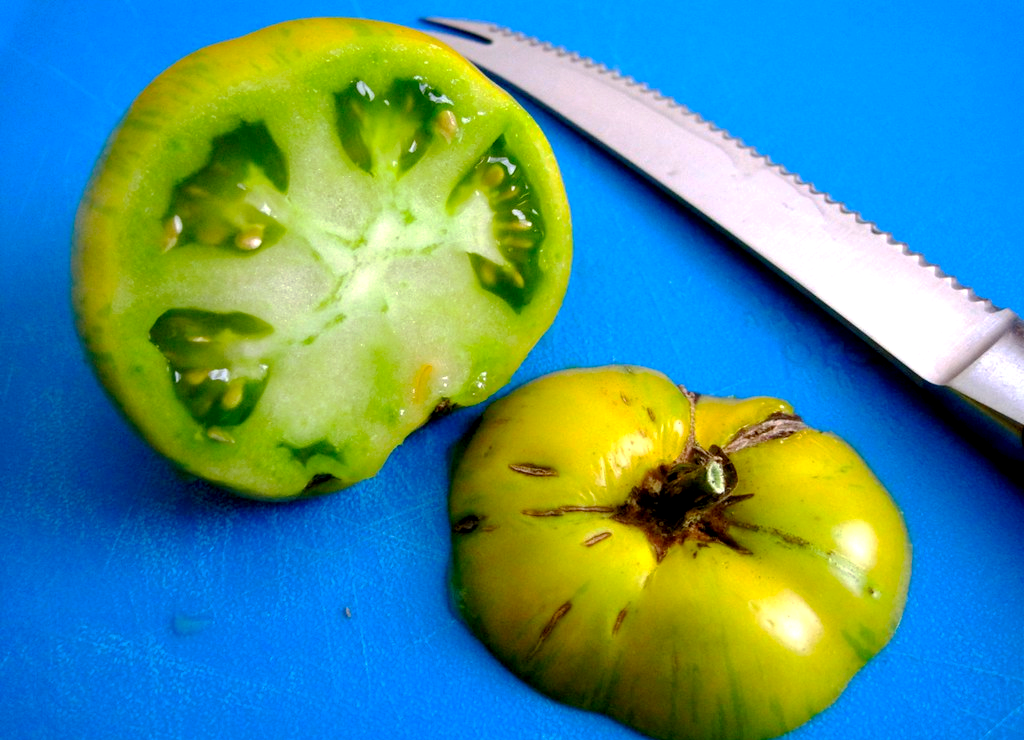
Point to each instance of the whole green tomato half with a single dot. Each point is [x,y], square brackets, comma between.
[694,567]
[300,244]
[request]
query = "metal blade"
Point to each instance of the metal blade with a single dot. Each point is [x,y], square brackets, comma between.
[920,316]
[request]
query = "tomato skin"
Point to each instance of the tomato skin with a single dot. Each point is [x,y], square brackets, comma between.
[335,395]
[708,639]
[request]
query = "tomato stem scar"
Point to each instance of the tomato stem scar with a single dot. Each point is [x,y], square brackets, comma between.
[539,471]
[618,620]
[560,510]
[467,524]
[595,538]
[778,425]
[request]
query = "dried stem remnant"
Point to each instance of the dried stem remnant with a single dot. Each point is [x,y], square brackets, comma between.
[690,498]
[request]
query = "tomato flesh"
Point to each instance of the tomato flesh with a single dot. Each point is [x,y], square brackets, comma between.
[722,584]
[301,243]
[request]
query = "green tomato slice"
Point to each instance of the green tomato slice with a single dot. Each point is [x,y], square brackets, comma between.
[694,567]
[300,244]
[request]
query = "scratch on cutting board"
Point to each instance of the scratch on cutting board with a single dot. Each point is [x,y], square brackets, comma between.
[1003,716]
[30,185]
[1002,723]
[127,520]
[57,72]
[418,508]
[151,652]
[367,673]
[396,526]
[1018,679]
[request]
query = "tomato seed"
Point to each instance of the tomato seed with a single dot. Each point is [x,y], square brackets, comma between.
[493,176]
[172,230]
[232,397]
[447,125]
[195,377]
[419,383]
[219,435]
[250,238]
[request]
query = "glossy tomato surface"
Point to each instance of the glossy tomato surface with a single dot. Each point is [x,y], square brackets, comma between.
[724,580]
[302,243]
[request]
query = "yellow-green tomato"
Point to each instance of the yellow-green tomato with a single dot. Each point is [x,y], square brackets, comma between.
[301,244]
[694,567]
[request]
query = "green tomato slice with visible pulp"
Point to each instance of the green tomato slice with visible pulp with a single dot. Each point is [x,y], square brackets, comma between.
[698,568]
[302,243]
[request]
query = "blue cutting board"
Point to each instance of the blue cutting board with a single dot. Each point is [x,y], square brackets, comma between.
[136,604]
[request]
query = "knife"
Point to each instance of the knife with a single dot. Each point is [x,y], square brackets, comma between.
[940,332]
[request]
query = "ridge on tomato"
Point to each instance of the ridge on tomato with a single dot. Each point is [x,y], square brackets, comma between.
[694,567]
[300,244]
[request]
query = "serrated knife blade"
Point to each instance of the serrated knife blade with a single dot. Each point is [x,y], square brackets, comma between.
[922,318]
